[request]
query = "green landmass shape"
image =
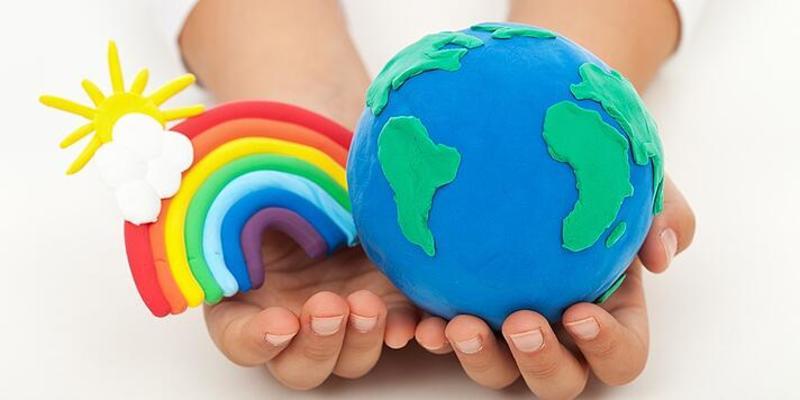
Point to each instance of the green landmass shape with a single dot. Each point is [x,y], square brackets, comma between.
[415,168]
[598,156]
[611,290]
[620,100]
[616,234]
[427,54]
[507,32]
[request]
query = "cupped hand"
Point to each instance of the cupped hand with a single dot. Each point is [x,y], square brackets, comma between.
[312,318]
[609,340]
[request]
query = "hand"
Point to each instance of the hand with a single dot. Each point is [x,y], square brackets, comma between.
[312,318]
[610,340]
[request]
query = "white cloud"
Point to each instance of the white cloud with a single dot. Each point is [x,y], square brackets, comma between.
[117,165]
[138,202]
[163,177]
[177,150]
[143,164]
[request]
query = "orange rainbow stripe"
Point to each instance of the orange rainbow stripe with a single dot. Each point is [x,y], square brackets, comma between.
[297,160]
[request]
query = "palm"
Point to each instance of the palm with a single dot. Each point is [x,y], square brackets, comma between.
[292,277]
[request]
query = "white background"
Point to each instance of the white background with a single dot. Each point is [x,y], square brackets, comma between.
[725,320]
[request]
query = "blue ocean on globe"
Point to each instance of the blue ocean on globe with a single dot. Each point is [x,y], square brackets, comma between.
[498,225]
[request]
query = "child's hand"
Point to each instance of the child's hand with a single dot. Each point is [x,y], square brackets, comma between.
[312,317]
[610,340]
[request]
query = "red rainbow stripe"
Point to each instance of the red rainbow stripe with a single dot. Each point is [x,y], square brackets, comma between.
[145,243]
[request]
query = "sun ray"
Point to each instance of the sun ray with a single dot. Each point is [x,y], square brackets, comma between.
[114,69]
[140,81]
[85,156]
[182,112]
[68,106]
[109,107]
[77,135]
[171,88]
[93,91]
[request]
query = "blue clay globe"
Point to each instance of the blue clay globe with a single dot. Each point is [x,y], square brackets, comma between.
[484,229]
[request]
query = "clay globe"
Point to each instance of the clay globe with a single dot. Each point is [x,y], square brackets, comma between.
[501,168]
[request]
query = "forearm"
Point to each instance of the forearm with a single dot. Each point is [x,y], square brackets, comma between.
[293,51]
[633,36]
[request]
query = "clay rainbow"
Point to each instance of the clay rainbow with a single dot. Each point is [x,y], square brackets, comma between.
[257,165]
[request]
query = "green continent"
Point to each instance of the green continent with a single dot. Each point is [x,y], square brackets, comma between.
[507,32]
[427,54]
[598,155]
[614,287]
[620,100]
[415,167]
[616,234]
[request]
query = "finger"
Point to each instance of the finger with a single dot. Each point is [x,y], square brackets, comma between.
[614,343]
[672,230]
[549,369]
[312,355]
[430,335]
[248,335]
[363,339]
[401,322]
[485,360]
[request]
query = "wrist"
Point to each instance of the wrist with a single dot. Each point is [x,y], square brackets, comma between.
[634,38]
[293,52]
[338,96]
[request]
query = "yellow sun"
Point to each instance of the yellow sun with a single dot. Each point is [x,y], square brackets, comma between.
[108,109]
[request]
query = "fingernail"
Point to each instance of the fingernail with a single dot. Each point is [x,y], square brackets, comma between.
[586,329]
[363,324]
[396,344]
[278,340]
[433,348]
[529,341]
[670,242]
[326,326]
[470,346]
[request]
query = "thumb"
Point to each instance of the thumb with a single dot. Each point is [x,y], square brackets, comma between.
[671,233]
